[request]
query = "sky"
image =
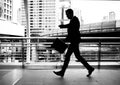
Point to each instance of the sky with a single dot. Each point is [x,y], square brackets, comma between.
[91,10]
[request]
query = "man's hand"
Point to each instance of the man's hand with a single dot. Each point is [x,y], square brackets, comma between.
[61,26]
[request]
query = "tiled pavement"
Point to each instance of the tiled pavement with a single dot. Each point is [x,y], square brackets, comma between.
[75,76]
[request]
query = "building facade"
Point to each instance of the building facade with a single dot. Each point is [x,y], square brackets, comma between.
[6,9]
[43,16]
[42,19]
[111,16]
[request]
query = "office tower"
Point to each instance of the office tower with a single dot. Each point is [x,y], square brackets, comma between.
[7,9]
[42,16]
[111,15]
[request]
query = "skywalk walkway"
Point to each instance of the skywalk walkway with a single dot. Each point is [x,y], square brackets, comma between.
[46,77]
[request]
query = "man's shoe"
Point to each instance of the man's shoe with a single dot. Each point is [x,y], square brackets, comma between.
[90,72]
[59,73]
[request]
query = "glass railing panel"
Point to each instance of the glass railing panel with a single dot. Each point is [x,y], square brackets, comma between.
[41,51]
[110,52]
[10,52]
[89,51]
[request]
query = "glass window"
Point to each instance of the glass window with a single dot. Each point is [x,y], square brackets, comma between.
[10,1]
[10,18]
[7,11]
[5,16]
[4,10]
[8,6]
[4,4]
[31,23]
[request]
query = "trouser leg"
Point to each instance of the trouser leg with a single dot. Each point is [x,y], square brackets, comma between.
[67,59]
[80,58]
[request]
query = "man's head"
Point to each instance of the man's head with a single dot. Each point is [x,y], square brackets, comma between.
[69,13]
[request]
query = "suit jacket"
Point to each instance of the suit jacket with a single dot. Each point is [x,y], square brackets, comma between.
[73,30]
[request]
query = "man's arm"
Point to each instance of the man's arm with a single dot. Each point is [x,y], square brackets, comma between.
[64,26]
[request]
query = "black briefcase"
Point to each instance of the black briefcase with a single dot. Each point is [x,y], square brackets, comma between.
[59,45]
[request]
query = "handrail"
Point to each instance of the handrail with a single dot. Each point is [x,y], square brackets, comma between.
[30,37]
[57,37]
[98,42]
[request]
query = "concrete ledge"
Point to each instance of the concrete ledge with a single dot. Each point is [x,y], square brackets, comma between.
[55,65]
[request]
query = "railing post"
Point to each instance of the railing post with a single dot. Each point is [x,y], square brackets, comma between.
[23,65]
[99,54]
[27,31]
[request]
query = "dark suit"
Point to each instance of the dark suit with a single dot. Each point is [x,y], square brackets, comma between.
[74,38]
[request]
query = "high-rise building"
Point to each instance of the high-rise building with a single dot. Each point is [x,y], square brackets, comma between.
[6,9]
[43,16]
[111,15]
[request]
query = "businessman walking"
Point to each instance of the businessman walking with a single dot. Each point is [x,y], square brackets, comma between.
[74,38]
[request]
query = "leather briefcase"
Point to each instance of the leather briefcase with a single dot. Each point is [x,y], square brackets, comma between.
[59,45]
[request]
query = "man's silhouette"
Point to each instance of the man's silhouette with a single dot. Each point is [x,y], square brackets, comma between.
[74,38]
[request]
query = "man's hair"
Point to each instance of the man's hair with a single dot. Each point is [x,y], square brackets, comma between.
[69,11]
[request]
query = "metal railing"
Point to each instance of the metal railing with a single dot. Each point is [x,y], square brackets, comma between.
[14,49]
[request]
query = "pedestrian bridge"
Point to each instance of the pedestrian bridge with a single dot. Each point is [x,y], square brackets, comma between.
[17,50]
[100,43]
[109,28]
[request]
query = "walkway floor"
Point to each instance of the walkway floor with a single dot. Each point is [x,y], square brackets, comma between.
[46,77]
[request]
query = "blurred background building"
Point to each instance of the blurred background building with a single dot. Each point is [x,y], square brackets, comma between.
[110,17]
[6,7]
[43,16]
